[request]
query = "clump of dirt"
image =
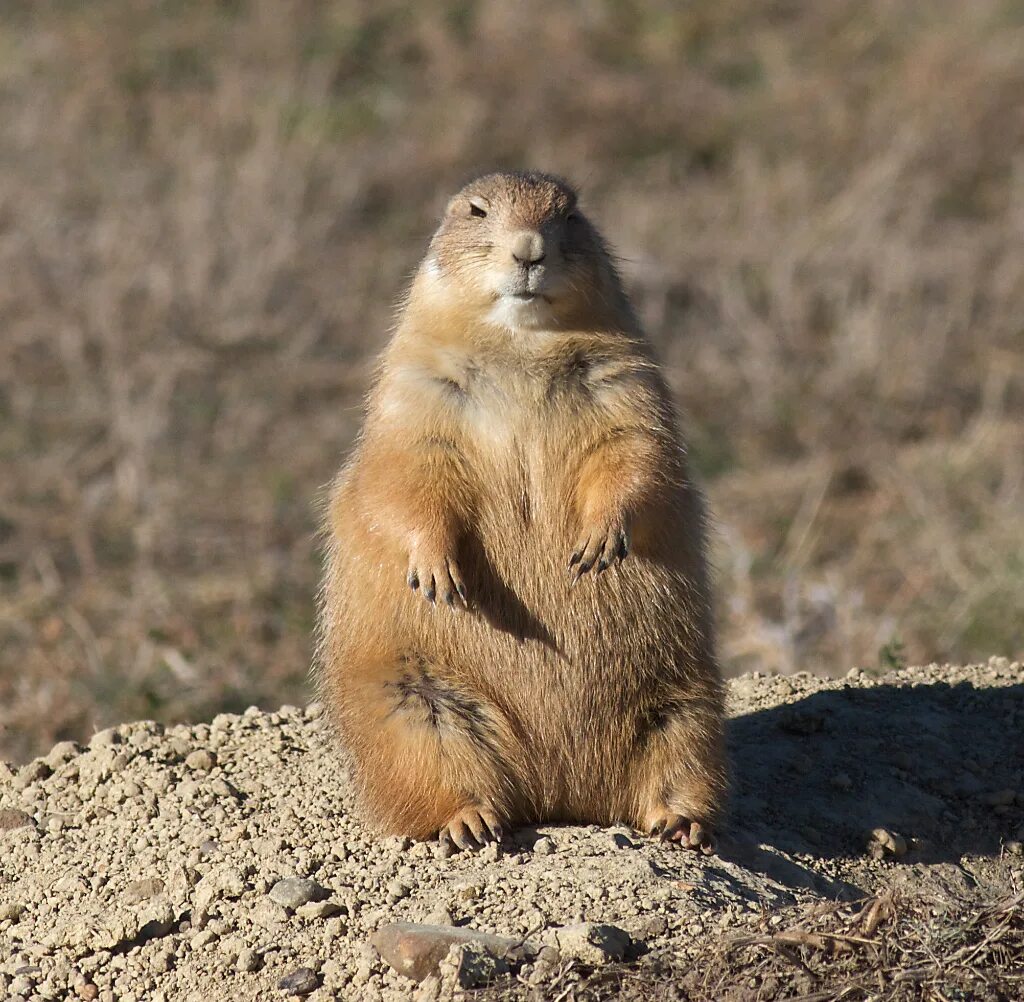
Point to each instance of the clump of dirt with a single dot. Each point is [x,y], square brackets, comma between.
[874,842]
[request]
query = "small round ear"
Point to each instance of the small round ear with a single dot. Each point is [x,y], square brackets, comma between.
[473,205]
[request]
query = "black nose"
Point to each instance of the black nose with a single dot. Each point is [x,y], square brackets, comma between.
[529,260]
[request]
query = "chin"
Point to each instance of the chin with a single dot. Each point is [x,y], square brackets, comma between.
[520,314]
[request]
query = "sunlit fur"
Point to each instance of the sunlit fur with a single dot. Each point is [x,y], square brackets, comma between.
[500,437]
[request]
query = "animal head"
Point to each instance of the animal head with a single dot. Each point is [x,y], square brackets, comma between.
[517,247]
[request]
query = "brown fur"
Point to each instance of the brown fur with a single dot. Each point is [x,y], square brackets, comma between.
[492,453]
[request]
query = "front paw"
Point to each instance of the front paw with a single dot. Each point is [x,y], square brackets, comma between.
[599,547]
[436,575]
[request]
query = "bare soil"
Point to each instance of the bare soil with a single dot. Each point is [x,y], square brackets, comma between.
[873,851]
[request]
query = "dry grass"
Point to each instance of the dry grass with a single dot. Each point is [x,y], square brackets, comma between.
[206,210]
[890,948]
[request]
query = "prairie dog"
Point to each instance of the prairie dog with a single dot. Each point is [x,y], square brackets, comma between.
[515,622]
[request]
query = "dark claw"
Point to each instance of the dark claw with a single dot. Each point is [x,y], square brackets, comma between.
[430,593]
[413,580]
[623,550]
[575,558]
[602,566]
[465,840]
[449,598]
[584,567]
[461,589]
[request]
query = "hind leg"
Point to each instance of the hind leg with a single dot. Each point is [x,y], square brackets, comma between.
[683,776]
[427,753]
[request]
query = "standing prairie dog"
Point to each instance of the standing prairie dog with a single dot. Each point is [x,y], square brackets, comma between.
[515,621]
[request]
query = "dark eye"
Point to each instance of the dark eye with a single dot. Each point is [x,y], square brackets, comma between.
[573,217]
[477,210]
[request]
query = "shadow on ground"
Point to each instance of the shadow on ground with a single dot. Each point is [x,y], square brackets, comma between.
[932,762]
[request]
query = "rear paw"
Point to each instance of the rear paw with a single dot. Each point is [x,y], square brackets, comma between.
[472,828]
[685,831]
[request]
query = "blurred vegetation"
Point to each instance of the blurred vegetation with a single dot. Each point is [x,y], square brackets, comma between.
[207,210]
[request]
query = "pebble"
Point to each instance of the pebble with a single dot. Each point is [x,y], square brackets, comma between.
[11,818]
[471,966]
[544,846]
[248,961]
[591,943]
[301,981]
[105,739]
[201,760]
[61,753]
[293,892]
[140,890]
[416,951]
[888,843]
[318,910]
[395,891]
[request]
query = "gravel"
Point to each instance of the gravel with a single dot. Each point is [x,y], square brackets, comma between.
[225,861]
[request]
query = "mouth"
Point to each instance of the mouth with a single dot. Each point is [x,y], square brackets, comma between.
[528,297]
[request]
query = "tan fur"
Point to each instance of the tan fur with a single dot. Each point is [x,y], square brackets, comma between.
[501,437]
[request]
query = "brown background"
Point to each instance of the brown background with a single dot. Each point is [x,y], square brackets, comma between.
[207,209]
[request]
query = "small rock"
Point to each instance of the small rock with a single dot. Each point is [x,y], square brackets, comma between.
[202,939]
[301,981]
[544,846]
[396,890]
[105,739]
[32,773]
[471,966]
[201,760]
[22,984]
[293,892]
[62,752]
[440,916]
[842,781]
[248,961]
[222,882]
[318,910]
[222,788]
[592,943]
[268,915]
[141,890]
[416,951]
[11,818]
[887,843]
[87,991]
[1014,848]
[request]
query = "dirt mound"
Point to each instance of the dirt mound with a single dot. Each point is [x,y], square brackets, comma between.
[222,861]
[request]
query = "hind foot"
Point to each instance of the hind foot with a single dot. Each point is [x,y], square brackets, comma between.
[687,832]
[472,828]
